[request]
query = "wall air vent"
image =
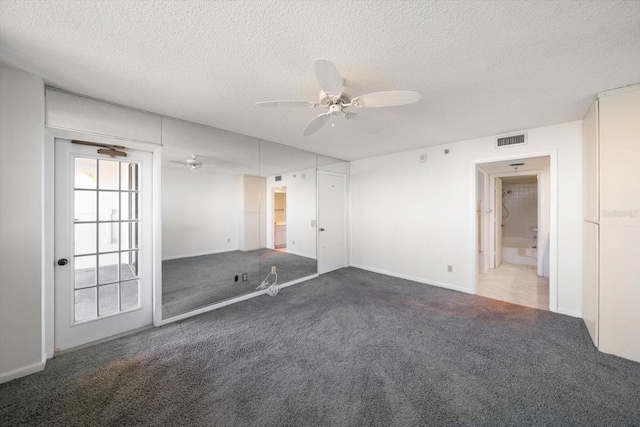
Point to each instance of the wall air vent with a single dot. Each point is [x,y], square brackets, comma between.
[278,178]
[511,140]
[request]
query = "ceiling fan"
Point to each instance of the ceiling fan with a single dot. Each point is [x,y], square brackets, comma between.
[193,163]
[337,102]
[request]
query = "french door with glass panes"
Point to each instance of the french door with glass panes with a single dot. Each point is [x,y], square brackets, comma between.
[103,240]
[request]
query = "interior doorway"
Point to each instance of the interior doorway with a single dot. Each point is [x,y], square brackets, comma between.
[513,257]
[103,239]
[332,221]
[280,218]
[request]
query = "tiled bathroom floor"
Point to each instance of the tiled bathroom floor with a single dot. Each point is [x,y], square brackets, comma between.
[515,283]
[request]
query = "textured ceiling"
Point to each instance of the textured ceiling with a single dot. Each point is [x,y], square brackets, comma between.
[482,68]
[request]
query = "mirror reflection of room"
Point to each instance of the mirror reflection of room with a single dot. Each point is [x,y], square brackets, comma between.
[280,218]
[238,215]
[290,246]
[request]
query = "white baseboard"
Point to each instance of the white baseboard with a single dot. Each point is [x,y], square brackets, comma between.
[414,279]
[169,258]
[295,282]
[24,371]
[569,312]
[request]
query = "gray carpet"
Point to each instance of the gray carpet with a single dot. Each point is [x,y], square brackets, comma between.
[348,348]
[191,283]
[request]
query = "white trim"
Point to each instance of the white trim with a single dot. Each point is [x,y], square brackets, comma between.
[414,279]
[24,371]
[48,259]
[156,184]
[170,258]
[569,312]
[230,301]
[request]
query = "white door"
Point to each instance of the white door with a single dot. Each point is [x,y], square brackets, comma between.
[332,222]
[497,211]
[103,244]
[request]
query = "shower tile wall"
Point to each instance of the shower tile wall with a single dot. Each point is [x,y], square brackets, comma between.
[522,204]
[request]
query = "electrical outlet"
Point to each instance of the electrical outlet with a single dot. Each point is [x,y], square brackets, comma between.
[293,243]
[228,240]
[273,270]
[450,268]
[244,277]
[423,158]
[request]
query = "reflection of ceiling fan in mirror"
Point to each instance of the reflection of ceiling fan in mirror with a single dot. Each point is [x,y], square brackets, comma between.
[193,163]
[337,102]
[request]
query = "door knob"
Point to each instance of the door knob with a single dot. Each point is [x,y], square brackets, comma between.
[322,229]
[63,261]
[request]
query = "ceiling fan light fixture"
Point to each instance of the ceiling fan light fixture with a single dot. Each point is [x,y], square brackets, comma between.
[331,96]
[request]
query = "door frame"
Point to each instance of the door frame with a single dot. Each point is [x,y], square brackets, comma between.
[495,242]
[492,222]
[553,217]
[483,233]
[345,238]
[48,304]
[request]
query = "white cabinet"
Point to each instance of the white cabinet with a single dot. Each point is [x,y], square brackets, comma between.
[619,305]
[590,263]
[611,236]
[280,236]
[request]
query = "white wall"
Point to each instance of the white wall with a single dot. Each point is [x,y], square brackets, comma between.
[21,223]
[200,211]
[412,219]
[301,210]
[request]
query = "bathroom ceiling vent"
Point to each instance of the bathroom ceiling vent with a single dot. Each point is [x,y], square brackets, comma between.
[511,140]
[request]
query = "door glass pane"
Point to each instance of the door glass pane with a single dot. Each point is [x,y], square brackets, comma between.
[85,173]
[85,239]
[108,202]
[129,235]
[109,174]
[129,177]
[109,237]
[108,272]
[129,295]
[85,205]
[129,206]
[134,176]
[85,271]
[85,304]
[106,277]
[108,297]
[129,267]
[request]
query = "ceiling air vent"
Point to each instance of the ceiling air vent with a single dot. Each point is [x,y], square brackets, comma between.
[278,178]
[510,140]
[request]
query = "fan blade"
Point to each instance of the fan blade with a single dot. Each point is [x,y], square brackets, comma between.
[328,76]
[386,99]
[316,124]
[286,104]
[177,162]
[350,115]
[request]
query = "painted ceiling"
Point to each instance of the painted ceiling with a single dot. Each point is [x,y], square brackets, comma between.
[483,68]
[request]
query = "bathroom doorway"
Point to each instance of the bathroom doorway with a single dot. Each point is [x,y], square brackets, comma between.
[513,262]
[280,218]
